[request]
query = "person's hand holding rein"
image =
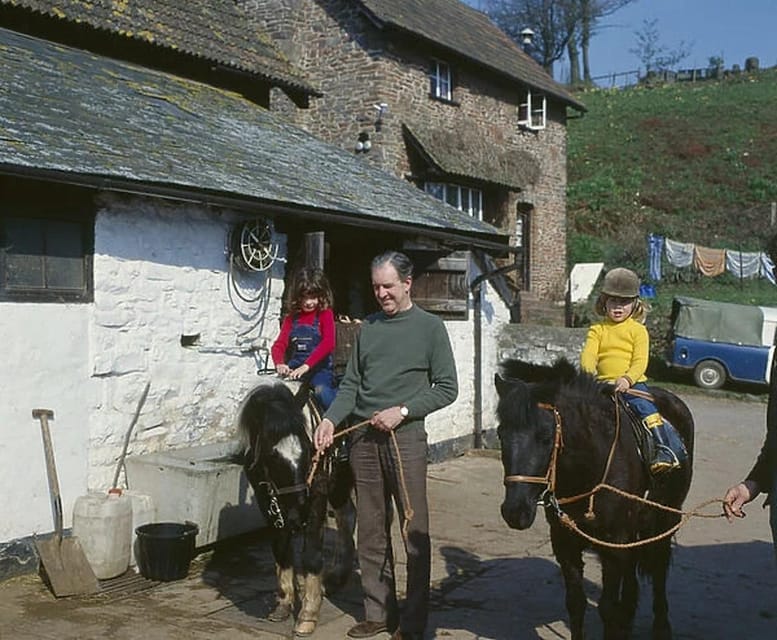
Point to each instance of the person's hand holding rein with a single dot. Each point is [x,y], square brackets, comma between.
[282,370]
[736,497]
[622,384]
[324,435]
[387,419]
[296,374]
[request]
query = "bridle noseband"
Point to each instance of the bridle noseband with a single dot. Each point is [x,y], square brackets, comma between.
[548,496]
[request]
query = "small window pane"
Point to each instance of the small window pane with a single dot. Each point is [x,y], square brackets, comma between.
[436,189]
[64,261]
[24,254]
[452,196]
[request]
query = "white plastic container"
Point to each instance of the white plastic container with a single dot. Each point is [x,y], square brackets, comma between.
[102,522]
[143,512]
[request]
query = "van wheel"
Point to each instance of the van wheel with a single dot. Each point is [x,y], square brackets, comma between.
[709,374]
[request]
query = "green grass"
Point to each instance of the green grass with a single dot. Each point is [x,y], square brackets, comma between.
[693,162]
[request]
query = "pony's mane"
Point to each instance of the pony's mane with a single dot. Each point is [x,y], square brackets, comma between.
[547,383]
[271,409]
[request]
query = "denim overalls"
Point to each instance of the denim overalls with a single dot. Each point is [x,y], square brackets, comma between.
[303,340]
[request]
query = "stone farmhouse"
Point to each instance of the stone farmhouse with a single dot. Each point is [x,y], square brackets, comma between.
[160,178]
[433,92]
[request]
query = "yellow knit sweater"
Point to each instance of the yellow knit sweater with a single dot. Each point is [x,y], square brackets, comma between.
[615,349]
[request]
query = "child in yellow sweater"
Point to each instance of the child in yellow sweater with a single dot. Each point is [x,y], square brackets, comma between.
[616,350]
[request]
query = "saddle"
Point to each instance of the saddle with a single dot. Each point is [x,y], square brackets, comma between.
[642,435]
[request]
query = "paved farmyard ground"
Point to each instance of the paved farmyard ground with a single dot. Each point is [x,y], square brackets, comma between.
[489,581]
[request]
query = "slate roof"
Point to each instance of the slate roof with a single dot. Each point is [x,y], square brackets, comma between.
[460,151]
[214,30]
[463,30]
[93,120]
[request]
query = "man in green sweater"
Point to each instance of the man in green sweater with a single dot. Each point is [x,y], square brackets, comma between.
[400,370]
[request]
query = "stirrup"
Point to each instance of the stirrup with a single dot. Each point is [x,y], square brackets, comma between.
[665,460]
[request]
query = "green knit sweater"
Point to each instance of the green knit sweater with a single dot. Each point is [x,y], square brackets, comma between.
[401,359]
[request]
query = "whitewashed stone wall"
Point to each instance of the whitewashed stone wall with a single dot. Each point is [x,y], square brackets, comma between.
[160,273]
[457,420]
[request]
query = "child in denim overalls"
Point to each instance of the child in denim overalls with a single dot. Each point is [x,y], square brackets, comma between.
[304,348]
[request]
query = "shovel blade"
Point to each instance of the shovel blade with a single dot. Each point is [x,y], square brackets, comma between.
[67,569]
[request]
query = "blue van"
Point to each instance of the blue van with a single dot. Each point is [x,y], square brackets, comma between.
[722,341]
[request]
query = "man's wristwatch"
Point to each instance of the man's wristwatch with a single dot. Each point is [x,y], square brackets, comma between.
[404,411]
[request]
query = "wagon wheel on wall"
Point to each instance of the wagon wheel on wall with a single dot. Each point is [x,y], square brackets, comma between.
[253,246]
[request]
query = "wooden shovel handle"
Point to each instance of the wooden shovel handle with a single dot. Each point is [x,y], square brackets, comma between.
[51,469]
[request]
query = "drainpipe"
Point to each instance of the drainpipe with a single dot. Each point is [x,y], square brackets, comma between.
[477,292]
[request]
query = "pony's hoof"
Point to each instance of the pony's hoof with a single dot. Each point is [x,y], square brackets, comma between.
[304,628]
[280,613]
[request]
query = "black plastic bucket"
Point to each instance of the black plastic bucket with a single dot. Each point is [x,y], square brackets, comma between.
[165,549]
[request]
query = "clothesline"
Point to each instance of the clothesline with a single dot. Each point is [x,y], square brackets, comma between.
[709,262]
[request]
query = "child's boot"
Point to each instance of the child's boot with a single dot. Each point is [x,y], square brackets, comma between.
[670,451]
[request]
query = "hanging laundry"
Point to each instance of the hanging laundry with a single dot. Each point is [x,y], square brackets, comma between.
[743,264]
[655,247]
[679,254]
[710,262]
[767,268]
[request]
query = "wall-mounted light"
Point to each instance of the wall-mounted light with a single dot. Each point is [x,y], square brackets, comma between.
[382,110]
[363,142]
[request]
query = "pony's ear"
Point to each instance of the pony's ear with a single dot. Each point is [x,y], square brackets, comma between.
[501,384]
[564,370]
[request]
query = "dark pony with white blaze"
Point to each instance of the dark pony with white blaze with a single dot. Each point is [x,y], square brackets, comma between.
[275,426]
[545,408]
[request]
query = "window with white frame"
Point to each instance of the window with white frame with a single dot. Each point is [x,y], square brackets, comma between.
[532,111]
[441,82]
[463,198]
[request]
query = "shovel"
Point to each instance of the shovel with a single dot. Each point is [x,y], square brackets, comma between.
[69,572]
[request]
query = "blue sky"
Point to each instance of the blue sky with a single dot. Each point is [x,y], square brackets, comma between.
[732,29]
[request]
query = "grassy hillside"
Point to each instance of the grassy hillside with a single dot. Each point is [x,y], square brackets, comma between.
[694,162]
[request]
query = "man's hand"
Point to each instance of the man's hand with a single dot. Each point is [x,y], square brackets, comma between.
[282,370]
[324,435]
[387,420]
[736,497]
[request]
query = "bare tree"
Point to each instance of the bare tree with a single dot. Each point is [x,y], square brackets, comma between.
[591,12]
[551,20]
[560,26]
[654,55]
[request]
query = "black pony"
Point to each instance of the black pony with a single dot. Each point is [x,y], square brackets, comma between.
[276,425]
[562,435]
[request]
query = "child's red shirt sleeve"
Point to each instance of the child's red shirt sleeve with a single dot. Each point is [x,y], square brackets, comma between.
[278,349]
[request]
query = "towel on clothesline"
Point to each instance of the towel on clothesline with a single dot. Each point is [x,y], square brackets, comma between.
[743,264]
[767,268]
[655,248]
[710,262]
[679,254]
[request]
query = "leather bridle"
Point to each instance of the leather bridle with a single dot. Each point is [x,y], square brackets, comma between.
[549,479]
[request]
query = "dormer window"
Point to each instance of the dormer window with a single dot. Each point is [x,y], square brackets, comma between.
[532,111]
[463,198]
[441,82]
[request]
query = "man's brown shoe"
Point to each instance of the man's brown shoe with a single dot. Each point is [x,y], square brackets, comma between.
[367,629]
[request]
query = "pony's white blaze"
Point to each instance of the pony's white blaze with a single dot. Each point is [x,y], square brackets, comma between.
[290,449]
